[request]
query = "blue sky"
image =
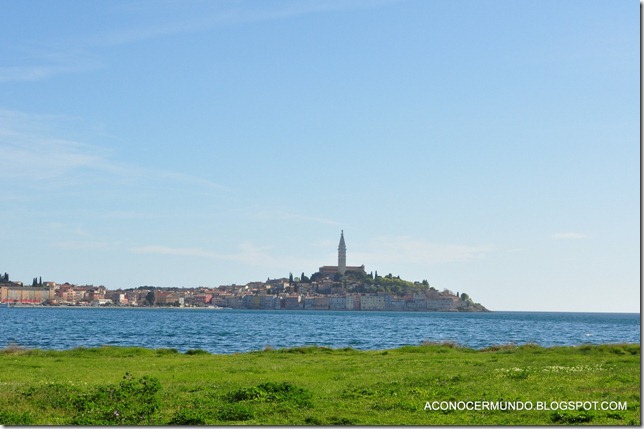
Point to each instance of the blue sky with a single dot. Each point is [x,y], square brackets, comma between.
[490,147]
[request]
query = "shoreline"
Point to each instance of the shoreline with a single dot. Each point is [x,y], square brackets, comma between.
[107,348]
[249,310]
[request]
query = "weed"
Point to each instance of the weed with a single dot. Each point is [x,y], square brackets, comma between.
[272,392]
[341,421]
[567,418]
[164,352]
[234,412]
[358,392]
[197,352]
[312,420]
[8,418]
[14,349]
[448,344]
[131,402]
[307,349]
[188,417]
[51,395]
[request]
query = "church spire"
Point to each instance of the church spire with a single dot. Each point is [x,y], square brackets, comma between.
[342,255]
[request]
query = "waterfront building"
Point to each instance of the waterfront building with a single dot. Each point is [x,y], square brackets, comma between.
[14,293]
[371,302]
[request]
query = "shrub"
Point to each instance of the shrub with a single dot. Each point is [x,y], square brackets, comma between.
[51,395]
[569,418]
[7,418]
[187,417]
[197,352]
[341,421]
[272,392]
[234,412]
[163,352]
[131,402]
[14,349]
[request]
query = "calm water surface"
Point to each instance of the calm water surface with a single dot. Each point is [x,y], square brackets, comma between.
[229,331]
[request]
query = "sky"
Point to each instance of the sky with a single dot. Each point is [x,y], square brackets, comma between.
[489,147]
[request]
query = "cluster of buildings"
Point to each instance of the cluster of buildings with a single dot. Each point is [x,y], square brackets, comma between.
[278,294]
[332,288]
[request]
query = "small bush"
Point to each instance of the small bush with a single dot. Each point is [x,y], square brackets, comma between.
[131,402]
[188,417]
[197,352]
[164,352]
[234,412]
[14,349]
[308,349]
[567,418]
[341,421]
[7,418]
[312,420]
[448,344]
[51,395]
[272,392]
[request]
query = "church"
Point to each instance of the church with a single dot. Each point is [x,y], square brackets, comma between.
[342,268]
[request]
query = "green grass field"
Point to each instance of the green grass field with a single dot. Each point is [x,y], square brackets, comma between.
[319,386]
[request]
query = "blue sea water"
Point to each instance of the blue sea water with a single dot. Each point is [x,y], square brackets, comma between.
[230,331]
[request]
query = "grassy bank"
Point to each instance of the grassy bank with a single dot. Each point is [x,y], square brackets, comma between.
[317,386]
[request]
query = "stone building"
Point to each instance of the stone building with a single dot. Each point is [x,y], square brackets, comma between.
[341,268]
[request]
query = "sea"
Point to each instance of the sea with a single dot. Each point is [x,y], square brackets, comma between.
[234,331]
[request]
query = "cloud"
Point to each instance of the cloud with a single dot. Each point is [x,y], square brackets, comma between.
[289,216]
[568,236]
[83,245]
[41,66]
[176,251]
[32,152]
[81,52]
[403,249]
[247,253]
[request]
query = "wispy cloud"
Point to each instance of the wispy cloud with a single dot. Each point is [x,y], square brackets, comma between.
[176,251]
[46,64]
[390,250]
[568,236]
[32,152]
[83,245]
[181,16]
[35,154]
[152,20]
[291,216]
[247,253]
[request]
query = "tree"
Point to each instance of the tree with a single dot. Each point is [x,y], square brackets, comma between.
[316,276]
[290,278]
[149,298]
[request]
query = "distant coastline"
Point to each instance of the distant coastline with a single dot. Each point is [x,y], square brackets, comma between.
[333,287]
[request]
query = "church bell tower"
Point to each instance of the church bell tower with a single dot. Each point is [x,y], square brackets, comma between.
[342,255]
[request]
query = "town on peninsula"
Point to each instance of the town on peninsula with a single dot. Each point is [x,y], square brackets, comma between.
[337,288]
